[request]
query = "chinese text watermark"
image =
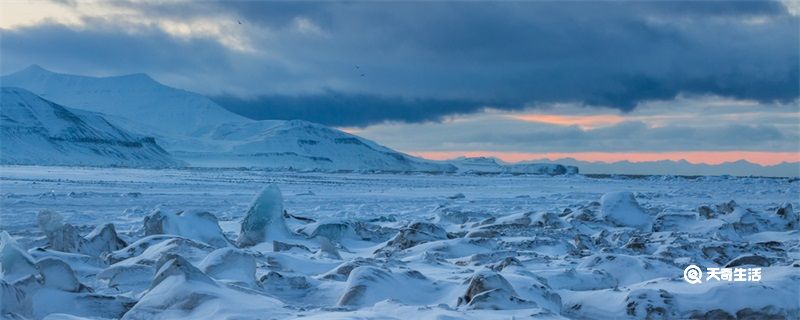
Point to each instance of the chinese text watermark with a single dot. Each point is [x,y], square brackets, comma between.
[694,275]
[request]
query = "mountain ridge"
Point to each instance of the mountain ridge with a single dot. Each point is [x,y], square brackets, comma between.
[38,131]
[210,135]
[136,97]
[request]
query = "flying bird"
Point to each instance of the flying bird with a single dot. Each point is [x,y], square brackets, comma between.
[239,21]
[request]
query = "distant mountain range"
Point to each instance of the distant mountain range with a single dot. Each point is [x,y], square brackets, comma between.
[681,167]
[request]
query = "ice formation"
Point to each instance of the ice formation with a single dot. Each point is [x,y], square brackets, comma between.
[264,218]
[622,209]
[398,246]
[200,226]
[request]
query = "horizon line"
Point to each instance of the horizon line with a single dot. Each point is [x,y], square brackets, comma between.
[761,158]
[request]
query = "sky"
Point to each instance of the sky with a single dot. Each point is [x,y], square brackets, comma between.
[704,81]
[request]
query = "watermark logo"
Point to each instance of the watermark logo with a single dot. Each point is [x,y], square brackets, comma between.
[694,275]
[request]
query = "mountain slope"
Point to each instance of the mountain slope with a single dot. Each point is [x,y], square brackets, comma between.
[304,145]
[195,129]
[37,131]
[155,108]
[484,165]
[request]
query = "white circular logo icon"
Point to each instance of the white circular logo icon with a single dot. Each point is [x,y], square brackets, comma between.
[692,274]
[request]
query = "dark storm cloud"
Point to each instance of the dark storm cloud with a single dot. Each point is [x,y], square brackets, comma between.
[341,109]
[604,54]
[424,61]
[109,50]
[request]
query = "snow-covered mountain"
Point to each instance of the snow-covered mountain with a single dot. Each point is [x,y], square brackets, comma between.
[304,145]
[36,131]
[156,108]
[195,129]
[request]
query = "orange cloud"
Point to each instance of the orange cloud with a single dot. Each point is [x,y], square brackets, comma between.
[585,122]
[707,157]
[588,122]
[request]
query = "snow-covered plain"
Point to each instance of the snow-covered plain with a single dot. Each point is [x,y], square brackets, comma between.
[213,244]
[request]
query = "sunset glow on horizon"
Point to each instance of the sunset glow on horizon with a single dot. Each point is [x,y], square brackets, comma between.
[696,157]
[583,121]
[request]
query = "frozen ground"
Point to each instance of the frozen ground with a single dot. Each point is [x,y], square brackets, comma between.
[391,246]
